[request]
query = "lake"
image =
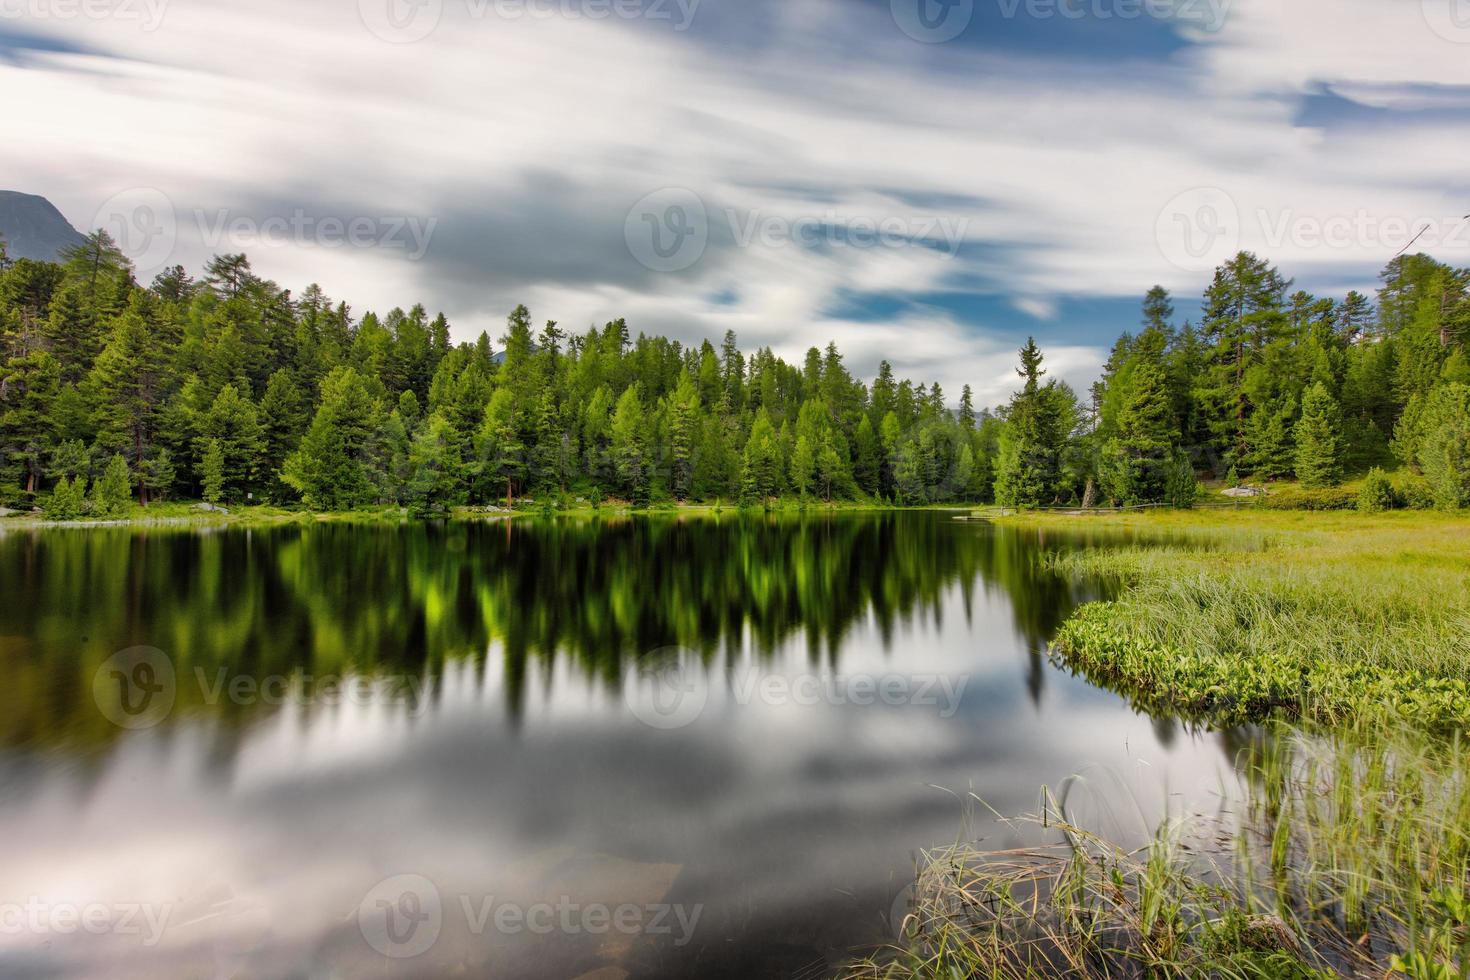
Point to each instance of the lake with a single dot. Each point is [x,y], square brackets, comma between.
[602,748]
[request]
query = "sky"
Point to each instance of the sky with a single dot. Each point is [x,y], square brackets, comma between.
[926,181]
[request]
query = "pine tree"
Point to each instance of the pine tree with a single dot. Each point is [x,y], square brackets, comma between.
[967,408]
[1028,470]
[684,427]
[233,424]
[1444,454]
[212,475]
[499,450]
[1318,450]
[112,495]
[803,466]
[434,464]
[1137,463]
[29,384]
[328,469]
[65,502]
[629,448]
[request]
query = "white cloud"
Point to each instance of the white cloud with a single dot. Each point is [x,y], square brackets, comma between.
[537,135]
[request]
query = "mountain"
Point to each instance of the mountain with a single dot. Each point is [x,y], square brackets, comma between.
[33,228]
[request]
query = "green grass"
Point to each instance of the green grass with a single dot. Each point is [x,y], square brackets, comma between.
[1348,858]
[1347,637]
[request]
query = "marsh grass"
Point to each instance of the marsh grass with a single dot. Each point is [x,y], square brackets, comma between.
[1349,852]
[1347,858]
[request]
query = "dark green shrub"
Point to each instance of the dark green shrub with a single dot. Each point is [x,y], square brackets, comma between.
[1376,494]
[1414,492]
[1328,498]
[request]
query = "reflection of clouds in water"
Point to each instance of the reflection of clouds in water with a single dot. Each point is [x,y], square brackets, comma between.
[783,819]
[763,820]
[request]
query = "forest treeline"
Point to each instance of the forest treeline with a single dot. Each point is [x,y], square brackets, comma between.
[229,388]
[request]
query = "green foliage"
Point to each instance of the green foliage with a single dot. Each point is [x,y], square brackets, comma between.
[112,494]
[1182,489]
[1414,491]
[305,400]
[67,500]
[1377,493]
[212,471]
[1238,689]
[1038,424]
[1444,451]
[1318,455]
[1326,498]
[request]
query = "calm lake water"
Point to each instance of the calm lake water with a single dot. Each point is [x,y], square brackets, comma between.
[647,748]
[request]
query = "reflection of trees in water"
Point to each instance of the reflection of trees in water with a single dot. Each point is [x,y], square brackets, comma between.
[330,599]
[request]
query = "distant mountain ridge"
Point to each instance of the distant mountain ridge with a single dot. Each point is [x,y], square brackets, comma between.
[33,228]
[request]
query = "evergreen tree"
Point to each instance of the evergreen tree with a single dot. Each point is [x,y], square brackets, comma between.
[1028,471]
[65,502]
[1444,454]
[112,495]
[212,475]
[1138,462]
[1318,453]
[434,464]
[629,446]
[498,446]
[328,469]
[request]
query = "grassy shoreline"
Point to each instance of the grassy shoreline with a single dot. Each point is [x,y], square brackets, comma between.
[189,514]
[1345,637]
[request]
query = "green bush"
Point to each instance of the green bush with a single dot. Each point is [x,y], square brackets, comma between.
[1414,492]
[1327,498]
[65,503]
[112,495]
[1376,494]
